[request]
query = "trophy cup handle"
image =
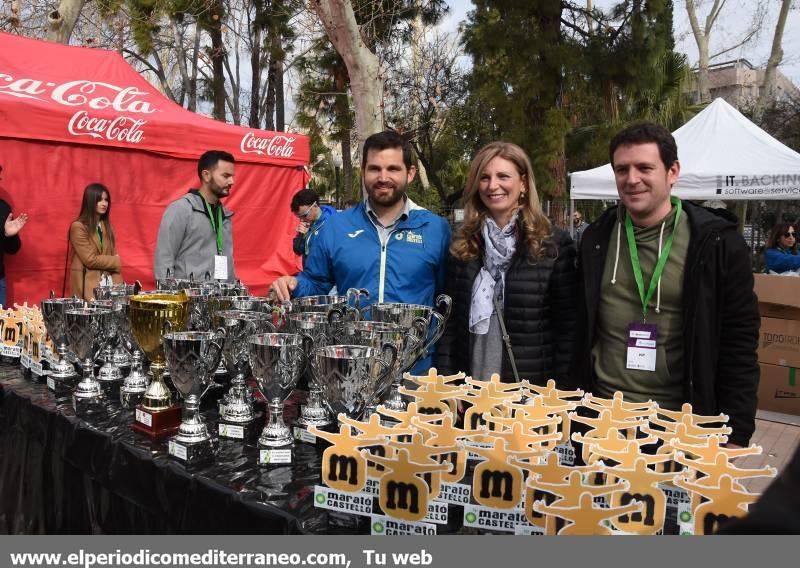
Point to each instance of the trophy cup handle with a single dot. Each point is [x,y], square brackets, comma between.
[308,343]
[304,359]
[166,328]
[444,305]
[351,314]
[354,296]
[216,346]
[137,287]
[52,294]
[388,350]
[335,316]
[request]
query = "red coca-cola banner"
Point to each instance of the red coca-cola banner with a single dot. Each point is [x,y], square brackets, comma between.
[72,116]
[92,96]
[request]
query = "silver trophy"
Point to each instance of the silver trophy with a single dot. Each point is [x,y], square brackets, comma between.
[192,357]
[62,372]
[277,360]
[415,318]
[353,376]
[118,294]
[110,375]
[236,413]
[317,329]
[87,333]
[408,342]
[349,304]
[134,385]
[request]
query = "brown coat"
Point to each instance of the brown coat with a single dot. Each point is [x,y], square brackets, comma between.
[89,263]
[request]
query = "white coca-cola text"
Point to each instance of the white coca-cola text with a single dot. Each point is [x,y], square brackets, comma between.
[119,129]
[277,146]
[92,94]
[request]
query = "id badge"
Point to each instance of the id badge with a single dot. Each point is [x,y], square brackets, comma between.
[220,267]
[642,341]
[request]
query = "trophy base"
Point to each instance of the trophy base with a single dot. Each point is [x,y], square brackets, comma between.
[111,387]
[157,424]
[89,406]
[192,453]
[60,386]
[301,434]
[130,399]
[246,432]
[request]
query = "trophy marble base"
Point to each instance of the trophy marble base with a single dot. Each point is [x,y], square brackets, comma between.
[157,424]
[130,399]
[111,387]
[60,386]
[246,432]
[89,406]
[192,453]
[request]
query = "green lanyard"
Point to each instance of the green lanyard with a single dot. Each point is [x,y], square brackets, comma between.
[216,226]
[100,237]
[662,260]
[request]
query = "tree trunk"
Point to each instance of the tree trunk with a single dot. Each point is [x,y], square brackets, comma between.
[280,103]
[255,70]
[702,37]
[269,103]
[776,55]
[217,56]
[177,36]
[62,20]
[703,87]
[192,106]
[363,67]
[347,167]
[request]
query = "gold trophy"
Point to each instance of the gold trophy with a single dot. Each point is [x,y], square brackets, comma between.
[156,417]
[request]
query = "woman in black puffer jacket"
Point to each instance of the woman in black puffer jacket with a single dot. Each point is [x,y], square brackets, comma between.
[508,250]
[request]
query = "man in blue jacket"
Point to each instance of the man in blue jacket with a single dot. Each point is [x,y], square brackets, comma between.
[305,206]
[386,244]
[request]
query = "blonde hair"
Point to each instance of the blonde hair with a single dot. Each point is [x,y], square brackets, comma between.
[536,226]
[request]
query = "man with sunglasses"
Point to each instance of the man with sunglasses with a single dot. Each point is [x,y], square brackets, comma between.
[666,294]
[305,206]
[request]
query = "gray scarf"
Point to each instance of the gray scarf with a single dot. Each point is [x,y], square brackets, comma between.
[499,248]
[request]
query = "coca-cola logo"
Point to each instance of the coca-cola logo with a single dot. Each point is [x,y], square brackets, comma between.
[119,129]
[92,94]
[278,146]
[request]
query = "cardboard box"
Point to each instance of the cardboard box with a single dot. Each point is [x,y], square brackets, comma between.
[779,389]
[779,342]
[778,296]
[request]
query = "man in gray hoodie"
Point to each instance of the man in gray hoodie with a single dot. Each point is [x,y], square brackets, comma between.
[196,235]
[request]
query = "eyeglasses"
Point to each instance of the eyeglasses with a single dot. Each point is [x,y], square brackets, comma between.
[787,235]
[306,214]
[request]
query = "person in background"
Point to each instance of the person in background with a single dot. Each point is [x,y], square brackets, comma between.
[11,241]
[509,270]
[305,206]
[95,261]
[580,226]
[195,237]
[781,252]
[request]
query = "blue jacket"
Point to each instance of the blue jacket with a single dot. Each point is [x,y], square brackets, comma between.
[348,253]
[302,242]
[779,260]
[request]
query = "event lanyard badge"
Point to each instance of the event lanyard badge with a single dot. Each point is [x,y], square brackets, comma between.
[643,337]
[220,261]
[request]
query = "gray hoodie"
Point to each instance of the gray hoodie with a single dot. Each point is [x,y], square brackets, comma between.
[187,243]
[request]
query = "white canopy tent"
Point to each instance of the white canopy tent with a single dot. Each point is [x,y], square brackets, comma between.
[723,156]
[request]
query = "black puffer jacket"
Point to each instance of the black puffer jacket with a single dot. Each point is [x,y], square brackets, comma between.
[720,316]
[539,314]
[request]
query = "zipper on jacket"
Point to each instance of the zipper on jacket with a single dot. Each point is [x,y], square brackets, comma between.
[382,276]
[689,323]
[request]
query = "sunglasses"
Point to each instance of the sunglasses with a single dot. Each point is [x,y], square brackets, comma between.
[306,214]
[787,235]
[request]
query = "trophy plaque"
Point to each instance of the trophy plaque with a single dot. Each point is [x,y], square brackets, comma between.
[156,417]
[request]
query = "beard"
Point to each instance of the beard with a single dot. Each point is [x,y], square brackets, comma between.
[379,196]
[218,190]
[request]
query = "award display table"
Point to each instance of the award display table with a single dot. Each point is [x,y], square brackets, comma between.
[60,474]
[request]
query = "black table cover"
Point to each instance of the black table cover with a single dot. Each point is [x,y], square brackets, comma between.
[63,474]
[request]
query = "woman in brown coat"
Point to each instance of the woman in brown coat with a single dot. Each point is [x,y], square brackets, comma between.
[94,252]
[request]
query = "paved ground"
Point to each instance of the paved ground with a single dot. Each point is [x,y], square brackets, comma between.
[778,435]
